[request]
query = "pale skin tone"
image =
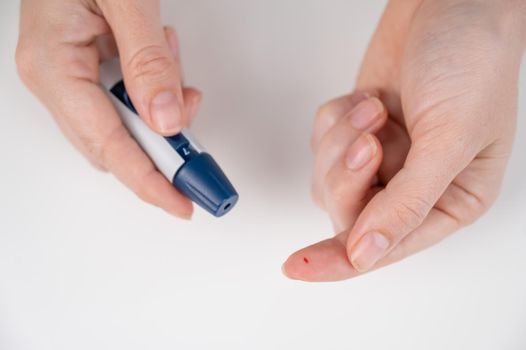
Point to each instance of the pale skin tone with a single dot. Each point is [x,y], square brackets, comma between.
[415,153]
[60,46]
[424,151]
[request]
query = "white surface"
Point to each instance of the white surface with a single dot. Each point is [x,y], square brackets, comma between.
[85,265]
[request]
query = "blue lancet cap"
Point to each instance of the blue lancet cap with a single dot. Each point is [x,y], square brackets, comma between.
[179,157]
[203,181]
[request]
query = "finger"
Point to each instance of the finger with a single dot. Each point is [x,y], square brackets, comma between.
[328,260]
[151,73]
[114,148]
[324,261]
[460,205]
[191,97]
[64,75]
[465,199]
[331,112]
[403,205]
[107,49]
[368,116]
[349,182]
[173,42]
[395,145]
[347,186]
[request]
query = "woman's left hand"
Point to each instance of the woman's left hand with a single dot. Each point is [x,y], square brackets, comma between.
[420,149]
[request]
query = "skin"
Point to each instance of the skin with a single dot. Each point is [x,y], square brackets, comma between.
[415,153]
[61,44]
[437,146]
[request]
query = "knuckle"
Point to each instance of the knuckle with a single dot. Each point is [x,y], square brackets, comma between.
[103,151]
[325,114]
[475,206]
[25,60]
[324,110]
[315,195]
[337,189]
[145,192]
[86,148]
[96,164]
[411,212]
[145,195]
[328,142]
[444,135]
[151,63]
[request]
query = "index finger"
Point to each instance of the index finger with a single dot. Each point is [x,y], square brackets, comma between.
[117,151]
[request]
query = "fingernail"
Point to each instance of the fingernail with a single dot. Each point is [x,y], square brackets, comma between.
[369,249]
[361,152]
[366,113]
[165,112]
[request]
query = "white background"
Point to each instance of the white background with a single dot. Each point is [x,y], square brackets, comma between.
[86,265]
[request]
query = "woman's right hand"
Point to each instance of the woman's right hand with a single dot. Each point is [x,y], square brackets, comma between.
[61,44]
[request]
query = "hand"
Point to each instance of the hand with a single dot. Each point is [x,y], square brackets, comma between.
[447,73]
[60,46]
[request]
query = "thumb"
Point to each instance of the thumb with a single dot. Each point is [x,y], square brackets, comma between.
[150,68]
[431,165]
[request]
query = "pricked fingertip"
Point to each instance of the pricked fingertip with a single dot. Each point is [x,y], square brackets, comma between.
[325,261]
[291,270]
